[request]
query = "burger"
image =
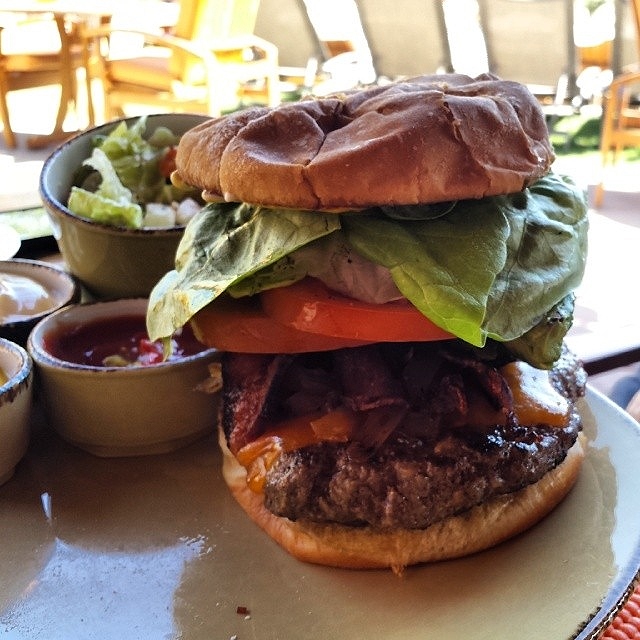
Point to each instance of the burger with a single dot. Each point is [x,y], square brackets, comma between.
[389,276]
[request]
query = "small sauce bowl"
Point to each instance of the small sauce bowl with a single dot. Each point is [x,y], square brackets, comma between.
[109,409]
[30,290]
[16,396]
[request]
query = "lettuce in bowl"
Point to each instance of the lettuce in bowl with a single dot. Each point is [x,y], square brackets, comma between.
[125,173]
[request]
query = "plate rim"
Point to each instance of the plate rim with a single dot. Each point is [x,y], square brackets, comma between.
[626,584]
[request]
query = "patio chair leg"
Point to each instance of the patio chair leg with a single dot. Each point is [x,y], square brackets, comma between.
[9,136]
[598,195]
[7,131]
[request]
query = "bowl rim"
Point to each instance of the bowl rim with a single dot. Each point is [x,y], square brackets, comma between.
[23,373]
[30,266]
[51,202]
[41,357]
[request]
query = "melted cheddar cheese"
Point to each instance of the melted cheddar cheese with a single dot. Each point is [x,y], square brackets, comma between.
[534,398]
[260,455]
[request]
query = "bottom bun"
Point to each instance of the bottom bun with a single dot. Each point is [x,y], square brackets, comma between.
[481,527]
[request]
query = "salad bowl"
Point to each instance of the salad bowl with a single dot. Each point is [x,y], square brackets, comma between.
[112,253]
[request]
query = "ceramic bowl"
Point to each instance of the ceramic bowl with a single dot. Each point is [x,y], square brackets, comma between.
[111,262]
[118,410]
[16,394]
[30,290]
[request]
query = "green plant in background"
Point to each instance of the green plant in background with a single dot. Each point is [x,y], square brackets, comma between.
[592,5]
[579,134]
[575,133]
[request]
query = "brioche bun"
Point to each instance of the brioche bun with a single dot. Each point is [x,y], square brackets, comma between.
[428,139]
[479,528]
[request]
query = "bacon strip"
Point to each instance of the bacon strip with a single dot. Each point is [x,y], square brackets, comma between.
[248,384]
[367,383]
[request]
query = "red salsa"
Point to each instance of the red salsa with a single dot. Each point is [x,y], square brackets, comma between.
[118,342]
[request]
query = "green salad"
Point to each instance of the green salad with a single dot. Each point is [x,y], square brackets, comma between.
[125,182]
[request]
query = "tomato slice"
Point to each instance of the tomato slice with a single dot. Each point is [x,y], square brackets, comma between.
[242,326]
[308,305]
[167,164]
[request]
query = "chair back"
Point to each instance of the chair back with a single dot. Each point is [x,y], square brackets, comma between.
[210,21]
[402,46]
[214,19]
[540,57]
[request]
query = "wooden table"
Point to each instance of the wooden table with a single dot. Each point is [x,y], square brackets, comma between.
[63,11]
[85,13]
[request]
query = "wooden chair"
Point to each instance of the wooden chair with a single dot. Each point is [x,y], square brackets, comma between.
[621,114]
[620,123]
[36,51]
[207,63]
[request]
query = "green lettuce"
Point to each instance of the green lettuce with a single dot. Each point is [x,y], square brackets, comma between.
[222,245]
[491,268]
[123,174]
[136,159]
[446,267]
[500,268]
[112,202]
[541,346]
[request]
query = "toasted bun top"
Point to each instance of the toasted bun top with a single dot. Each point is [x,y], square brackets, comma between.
[427,139]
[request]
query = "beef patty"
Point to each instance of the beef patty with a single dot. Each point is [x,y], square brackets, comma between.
[423,462]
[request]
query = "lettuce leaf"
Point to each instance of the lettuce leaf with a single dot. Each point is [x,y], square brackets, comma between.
[135,159]
[490,268]
[223,244]
[499,268]
[128,176]
[111,203]
[547,252]
[541,346]
[445,267]
[105,210]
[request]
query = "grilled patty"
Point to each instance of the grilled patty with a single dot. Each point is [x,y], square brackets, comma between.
[410,482]
[428,465]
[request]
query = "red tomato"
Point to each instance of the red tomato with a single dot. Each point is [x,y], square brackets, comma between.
[167,163]
[150,352]
[309,306]
[242,326]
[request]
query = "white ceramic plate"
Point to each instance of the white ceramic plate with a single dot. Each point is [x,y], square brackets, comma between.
[9,242]
[156,548]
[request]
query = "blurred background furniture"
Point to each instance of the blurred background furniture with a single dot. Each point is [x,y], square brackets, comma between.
[513,32]
[621,113]
[38,50]
[352,40]
[343,54]
[208,62]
